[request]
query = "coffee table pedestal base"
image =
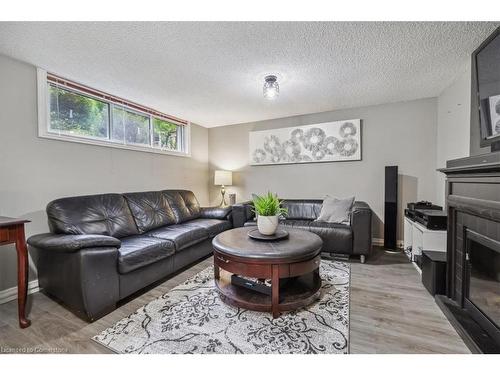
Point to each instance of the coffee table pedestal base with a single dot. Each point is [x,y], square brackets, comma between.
[293,285]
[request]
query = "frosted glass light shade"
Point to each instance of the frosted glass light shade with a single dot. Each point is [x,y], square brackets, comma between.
[271,88]
[223,178]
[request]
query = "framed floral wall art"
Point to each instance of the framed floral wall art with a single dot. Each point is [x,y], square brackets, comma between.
[325,142]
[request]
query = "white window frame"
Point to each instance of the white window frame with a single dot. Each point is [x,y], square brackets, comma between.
[44,122]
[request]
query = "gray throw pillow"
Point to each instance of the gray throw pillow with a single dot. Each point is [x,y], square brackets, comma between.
[336,210]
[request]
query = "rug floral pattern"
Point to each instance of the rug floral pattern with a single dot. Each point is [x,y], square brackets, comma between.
[191,318]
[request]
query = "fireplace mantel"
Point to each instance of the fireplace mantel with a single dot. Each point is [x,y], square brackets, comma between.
[473,205]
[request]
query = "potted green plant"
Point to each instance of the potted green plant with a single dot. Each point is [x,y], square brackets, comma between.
[268,209]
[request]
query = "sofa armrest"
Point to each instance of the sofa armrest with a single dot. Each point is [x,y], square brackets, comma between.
[71,242]
[361,224]
[242,212]
[216,212]
[86,280]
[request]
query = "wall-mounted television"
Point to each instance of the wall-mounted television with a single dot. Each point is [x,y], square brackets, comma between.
[486,89]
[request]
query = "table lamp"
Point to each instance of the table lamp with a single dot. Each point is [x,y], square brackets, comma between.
[223,178]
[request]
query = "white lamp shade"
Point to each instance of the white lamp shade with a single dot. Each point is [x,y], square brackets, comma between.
[223,178]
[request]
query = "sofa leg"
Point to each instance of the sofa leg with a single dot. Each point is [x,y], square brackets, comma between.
[362,258]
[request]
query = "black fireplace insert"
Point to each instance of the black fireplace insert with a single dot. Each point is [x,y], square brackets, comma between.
[482,282]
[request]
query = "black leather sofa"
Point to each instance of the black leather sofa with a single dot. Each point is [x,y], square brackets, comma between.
[103,248]
[353,238]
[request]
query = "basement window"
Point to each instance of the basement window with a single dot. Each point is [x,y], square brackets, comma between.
[73,112]
[130,127]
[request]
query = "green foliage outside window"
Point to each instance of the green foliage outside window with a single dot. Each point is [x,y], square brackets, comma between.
[77,114]
[130,126]
[80,115]
[164,134]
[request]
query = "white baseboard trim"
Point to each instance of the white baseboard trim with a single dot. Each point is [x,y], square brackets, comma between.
[10,294]
[416,267]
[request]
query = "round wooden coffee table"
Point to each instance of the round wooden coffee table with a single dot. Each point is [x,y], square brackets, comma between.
[291,264]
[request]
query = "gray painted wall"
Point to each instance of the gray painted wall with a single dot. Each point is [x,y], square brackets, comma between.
[400,133]
[453,126]
[34,171]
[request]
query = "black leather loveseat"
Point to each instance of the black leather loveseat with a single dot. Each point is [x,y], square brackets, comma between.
[102,248]
[352,238]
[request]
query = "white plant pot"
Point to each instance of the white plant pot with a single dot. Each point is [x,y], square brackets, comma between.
[267,225]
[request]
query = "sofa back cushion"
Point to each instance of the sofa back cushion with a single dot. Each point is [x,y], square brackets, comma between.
[106,214]
[184,204]
[150,210]
[303,209]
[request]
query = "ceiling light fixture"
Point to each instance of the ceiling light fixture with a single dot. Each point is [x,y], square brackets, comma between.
[271,87]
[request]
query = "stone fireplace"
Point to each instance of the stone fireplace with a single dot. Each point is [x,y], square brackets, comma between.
[472,303]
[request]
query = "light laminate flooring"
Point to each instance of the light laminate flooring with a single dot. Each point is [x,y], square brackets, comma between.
[391,312]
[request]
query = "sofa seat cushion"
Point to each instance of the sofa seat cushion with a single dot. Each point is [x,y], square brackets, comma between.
[298,224]
[337,238]
[213,226]
[182,235]
[139,251]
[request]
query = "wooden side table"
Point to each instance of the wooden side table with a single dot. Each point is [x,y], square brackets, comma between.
[12,231]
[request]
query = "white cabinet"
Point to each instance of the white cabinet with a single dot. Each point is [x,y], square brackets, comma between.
[418,238]
[408,234]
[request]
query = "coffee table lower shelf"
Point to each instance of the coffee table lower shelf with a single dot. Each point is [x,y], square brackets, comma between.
[294,293]
[292,266]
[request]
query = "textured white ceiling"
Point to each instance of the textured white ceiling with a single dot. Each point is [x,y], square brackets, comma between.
[212,73]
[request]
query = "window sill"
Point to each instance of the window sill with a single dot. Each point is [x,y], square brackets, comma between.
[96,142]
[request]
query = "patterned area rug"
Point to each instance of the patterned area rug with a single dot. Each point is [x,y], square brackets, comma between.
[191,318]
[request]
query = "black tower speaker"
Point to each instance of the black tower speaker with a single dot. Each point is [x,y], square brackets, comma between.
[391,207]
